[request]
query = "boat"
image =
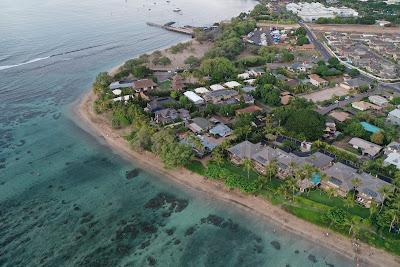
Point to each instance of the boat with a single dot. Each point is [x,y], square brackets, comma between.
[177,9]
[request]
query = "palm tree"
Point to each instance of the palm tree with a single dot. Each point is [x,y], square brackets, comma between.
[272,168]
[354,223]
[384,191]
[356,182]
[330,192]
[247,163]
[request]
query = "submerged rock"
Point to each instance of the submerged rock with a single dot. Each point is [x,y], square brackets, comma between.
[132,174]
[190,230]
[151,260]
[175,204]
[312,258]
[276,245]
[214,220]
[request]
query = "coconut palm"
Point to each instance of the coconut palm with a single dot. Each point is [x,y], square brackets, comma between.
[384,191]
[356,182]
[330,192]
[272,168]
[247,163]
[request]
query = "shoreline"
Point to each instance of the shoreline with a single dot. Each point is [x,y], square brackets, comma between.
[99,127]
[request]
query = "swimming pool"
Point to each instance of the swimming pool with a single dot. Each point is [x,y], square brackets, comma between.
[369,127]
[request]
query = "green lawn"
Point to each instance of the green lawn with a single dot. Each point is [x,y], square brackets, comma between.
[196,167]
[164,86]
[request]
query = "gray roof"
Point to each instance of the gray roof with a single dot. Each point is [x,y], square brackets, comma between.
[222,93]
[245,149]
[203,123]
[221,130]
[319,160]
[356,82]
[248,88]
[367,147]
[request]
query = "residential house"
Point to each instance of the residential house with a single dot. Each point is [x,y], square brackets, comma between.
[244,76]
[199,125]
[221,130]
[248,89]
[316,80]
[394,117]
[392,147]
[250,81]
[143,85]
[117,92]
[292,82]
[246,98]
[232,84]
[159,103]
[220,95]
[378,100]
[165,116]
[201,90]
[216,87]
[393,159]
[285,98]
[354,83]
[363,106]
[340,116]
[242,151]
[249,109]
[341,178]
[194,98]
[366,148]
[178,83]
[121,84]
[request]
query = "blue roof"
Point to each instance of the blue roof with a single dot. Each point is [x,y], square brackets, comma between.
[369,127]
[221,130]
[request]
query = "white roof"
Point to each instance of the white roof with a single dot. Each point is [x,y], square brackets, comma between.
[195,98]
[216,87]
[232,84]
[201,90]
[117,92]
[244,75]
[125,97]
[393,159]
[395,113]
[250,81]
[377,99]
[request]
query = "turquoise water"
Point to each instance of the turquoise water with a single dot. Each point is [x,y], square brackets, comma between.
[65,199]
[369,127]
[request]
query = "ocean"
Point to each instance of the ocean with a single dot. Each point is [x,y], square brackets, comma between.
[67,200]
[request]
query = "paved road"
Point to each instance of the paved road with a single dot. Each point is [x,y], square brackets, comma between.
[326,55]
[340,104]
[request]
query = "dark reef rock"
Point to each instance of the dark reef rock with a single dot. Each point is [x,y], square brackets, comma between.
[214,220]
[190,230]
[170,231]
[151,261]
[132,174]
[162,199]
[276,244]
[128,231]
[312,258]
[148,227]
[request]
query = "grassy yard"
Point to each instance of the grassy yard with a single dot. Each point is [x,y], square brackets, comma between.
[165,86]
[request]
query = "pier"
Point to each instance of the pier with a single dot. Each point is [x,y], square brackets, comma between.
[183,30]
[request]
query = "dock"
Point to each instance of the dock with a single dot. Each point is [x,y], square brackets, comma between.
[183,30]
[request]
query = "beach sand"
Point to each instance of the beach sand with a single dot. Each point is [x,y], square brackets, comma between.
[98,126]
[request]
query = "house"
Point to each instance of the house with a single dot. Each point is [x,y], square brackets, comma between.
[123,98]
[199,125]
[311,182]
[367,148]
[159,103]
[250,81]
[317,81]
[330,130]
[354,83]
[221,130]
[246,98]
[340,116]
[249,109]
[232,84]
[248,89]
[143,85]
[244,76]
[117,92]
[178,83]
[292,82]
[394,117]
[201,90]
[341,177]
[378,100]
[216,87]
[201,145]
[220,95]
[392,147]
[297,67]
[194,98]
[392,159]
[285,98]
[242,151]
[165,116]
[184,114]
[121,84]
[363,106]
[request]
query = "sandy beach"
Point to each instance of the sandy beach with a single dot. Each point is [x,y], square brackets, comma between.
[100,128]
